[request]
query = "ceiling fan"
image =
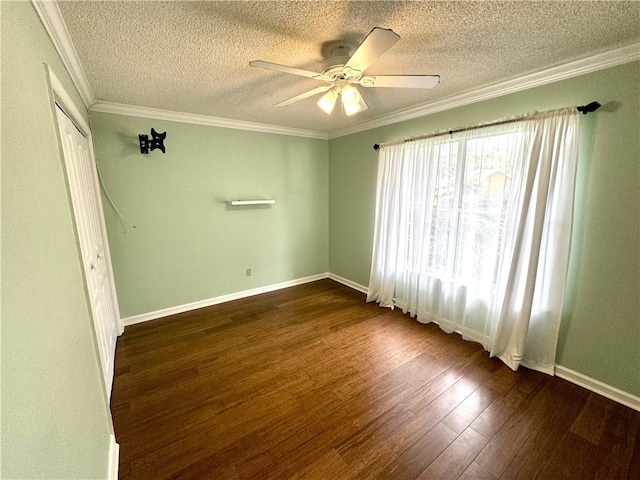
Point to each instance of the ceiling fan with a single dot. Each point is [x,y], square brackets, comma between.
[343,71]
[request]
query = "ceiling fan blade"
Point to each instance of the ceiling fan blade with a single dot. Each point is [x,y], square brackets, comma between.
[400,81]
[377,42]
[283,68]
[304,95]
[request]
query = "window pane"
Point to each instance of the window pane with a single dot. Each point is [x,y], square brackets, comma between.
[478,247]
[439,239]
[445,184]
[485,191]
[443,206]
[488,172]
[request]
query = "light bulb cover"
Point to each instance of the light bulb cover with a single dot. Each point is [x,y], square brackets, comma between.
[350,95]
[352,101]
[328,101]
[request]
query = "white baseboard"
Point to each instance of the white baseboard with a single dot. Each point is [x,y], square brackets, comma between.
[145,317]
[114,458]
[599,387]
[349,283]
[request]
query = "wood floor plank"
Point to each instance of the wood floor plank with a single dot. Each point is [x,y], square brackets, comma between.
[291,462]
[329,465]
[365,451]
[407,433]
[464,414]
[574,447]
[208,467]
[506,444]
[460,370]
[591,421]
[619,446]
[476,472]
[549,431]
[457,457]
[419,370]
[420,454]
[494,417]
[311,382]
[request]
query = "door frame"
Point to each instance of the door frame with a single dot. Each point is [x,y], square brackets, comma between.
[60,97]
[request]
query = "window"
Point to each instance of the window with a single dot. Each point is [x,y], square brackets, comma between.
[473,232]
[470,193]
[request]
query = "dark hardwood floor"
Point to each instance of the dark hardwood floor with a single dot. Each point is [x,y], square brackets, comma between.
[312,382]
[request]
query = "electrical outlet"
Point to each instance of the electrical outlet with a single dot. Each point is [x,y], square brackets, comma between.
[248,272]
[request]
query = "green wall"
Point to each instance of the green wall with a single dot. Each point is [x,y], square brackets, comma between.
[55,419]
[188,245]
[600,332]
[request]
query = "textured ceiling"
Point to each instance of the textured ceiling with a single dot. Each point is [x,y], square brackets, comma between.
[194,56]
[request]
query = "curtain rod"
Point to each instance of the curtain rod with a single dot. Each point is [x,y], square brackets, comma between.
[584,109]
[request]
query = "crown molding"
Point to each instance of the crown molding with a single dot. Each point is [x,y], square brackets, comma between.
[155,113]
[576,68]
[53,22]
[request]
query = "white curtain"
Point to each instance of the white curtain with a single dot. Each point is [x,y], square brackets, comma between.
[472,231]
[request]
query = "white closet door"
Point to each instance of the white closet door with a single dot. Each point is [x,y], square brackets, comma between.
[87,208]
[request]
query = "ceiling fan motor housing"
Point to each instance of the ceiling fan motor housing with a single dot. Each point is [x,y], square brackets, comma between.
[337,55]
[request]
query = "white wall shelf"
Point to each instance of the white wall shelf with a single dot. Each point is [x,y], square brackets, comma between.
[249,202]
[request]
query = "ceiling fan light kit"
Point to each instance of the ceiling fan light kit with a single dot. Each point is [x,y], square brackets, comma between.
[352,101]
[342,73]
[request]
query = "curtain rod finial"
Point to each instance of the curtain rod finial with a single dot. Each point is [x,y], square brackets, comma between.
[591,107]
[376,146]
